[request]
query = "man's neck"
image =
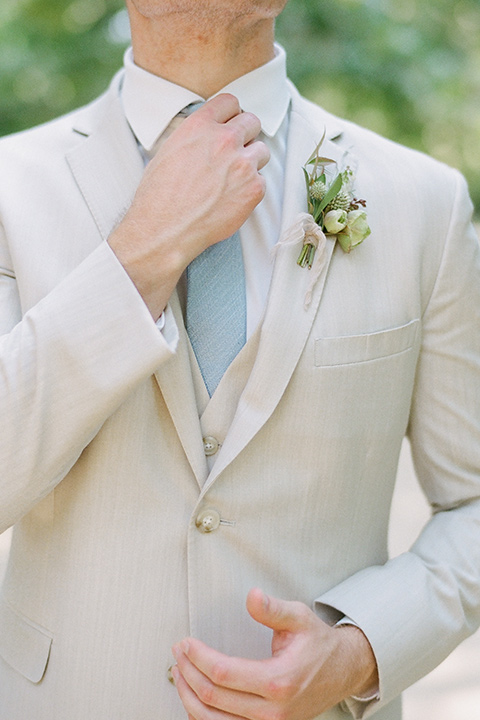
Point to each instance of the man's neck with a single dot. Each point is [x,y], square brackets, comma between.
[201,56]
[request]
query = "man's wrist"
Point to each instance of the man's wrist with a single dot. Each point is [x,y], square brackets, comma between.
[155,275]
[362,665]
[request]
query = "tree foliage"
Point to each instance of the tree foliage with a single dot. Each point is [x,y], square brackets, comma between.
[408,69]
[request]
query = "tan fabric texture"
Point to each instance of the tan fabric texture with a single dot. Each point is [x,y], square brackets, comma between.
[103,468]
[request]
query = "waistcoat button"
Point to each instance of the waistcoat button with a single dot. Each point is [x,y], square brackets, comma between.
[210,445]
[208,520]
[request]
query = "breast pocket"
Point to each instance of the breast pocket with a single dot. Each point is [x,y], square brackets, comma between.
[354,349]
[24,645]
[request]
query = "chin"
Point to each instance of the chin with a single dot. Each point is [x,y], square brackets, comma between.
[209,8]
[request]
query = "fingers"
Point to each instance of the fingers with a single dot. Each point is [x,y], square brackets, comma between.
[305,676]
[199,689]
[225,110]
[221,108]
[253,676]
[258,152]
[191,702]
[280,615]
[232,673]
[247,125]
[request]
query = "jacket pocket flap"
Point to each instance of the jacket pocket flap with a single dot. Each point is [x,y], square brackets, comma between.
[350,349]
[24,645]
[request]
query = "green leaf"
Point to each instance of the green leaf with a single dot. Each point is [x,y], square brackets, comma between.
[332,192]
[314,155]
[321,161]
[309,199]
[307,179]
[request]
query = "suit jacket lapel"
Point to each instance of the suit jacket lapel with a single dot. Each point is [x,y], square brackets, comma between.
[287,323]
[176,384]
[107,164]
[108,167]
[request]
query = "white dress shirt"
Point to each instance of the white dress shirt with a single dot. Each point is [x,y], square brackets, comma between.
[152,103]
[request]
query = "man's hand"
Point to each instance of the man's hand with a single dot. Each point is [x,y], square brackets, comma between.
[312,668]
[199,189]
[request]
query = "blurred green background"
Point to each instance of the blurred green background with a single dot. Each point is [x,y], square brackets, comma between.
[409,69]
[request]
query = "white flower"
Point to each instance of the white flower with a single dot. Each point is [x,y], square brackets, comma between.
[334,221]
[356,230]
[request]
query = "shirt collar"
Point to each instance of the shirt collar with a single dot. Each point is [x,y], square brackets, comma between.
[151,102]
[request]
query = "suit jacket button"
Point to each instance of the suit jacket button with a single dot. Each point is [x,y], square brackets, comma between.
[208,520]
[210,445]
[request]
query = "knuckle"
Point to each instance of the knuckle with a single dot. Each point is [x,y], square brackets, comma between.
[251,121]
[262,184]
[231,99]
[228,139]
[302,611]
[259,152]
[226,101]
[264,152]
[258,189]
[241,165]
[206,693]
[281,690]
[219,673]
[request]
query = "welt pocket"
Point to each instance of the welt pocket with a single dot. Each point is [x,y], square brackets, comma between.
[353,349]
[24,645]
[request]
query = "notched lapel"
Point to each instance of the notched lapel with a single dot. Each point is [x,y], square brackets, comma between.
[176,384]
[107,165]
[287,322]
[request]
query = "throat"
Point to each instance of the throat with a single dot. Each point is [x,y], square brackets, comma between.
[200,56]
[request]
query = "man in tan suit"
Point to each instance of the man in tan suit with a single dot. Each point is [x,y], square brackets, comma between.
[146,508]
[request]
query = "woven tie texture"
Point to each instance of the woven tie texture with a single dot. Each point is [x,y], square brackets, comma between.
[216,304]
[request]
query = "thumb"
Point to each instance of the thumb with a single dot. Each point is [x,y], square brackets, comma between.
[276,614]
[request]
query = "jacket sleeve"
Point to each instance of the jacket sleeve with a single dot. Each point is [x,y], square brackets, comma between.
[417,607]
[64,369]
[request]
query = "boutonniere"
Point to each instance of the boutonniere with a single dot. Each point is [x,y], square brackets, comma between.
[333,212]
[332,207]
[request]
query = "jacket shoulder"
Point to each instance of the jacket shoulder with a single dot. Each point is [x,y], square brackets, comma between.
[59,134]
[366,145]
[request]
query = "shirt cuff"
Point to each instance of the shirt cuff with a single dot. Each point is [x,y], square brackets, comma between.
[161,321]
[168,327]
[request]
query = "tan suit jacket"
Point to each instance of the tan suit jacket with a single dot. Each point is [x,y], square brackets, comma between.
[103,470]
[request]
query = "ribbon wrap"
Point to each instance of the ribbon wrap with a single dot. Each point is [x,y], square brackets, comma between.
[306,229]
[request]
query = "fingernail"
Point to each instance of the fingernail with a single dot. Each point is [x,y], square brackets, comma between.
[175,674]
[176,651]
